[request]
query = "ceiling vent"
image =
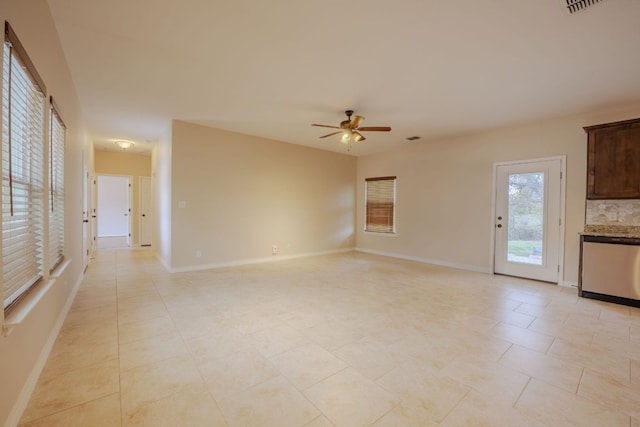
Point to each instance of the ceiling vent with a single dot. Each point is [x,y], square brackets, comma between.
[578,5]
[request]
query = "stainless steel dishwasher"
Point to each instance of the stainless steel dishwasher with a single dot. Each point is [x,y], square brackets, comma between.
[610,269]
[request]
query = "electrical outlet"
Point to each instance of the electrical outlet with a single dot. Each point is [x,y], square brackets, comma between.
[198,254]
[274,249]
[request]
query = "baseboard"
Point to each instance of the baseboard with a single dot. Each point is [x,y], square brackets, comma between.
[27,390]
[441,263]
[274,258]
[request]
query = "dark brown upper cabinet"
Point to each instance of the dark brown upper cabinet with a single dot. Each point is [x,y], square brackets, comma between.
[613,160]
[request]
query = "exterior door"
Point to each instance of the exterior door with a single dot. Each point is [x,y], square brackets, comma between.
[528,219]
[145,211]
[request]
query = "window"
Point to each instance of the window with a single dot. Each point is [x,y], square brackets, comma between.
[23,109]
[56,188]
[380,204]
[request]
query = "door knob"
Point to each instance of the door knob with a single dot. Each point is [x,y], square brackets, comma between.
[143,215]
[85,220]
[499,225]
[499,218]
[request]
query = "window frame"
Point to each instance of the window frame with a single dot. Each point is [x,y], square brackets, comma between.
[378,227]
[56,186]
[27,154]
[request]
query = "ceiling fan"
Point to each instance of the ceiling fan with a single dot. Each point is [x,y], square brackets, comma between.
[350,129]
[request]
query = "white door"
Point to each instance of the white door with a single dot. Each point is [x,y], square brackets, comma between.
[529,218]
[114,207]
[145,210]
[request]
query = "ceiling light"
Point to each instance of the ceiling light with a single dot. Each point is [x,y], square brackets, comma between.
[124,144]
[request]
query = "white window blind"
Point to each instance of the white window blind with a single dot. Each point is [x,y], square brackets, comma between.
[380,204]
[56,188]
[22,173]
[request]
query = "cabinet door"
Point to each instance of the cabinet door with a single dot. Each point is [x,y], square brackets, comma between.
[614,163]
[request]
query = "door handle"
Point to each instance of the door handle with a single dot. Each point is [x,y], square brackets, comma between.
[499,225]
[85,220]
[144,215]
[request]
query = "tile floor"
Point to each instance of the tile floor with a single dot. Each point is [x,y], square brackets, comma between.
[341,340]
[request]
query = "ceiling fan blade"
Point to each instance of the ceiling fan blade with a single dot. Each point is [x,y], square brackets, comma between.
[375,128]
[357,137]
[326,126]
[329,134]
[355,122]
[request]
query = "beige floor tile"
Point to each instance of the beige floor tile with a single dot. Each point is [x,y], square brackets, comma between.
[610,327]
[151,349]
[609,363]
[272,403]
[155,381]
[306,365]
[501,382]
[369,357]
[523,337]
[333,335]
[350,399]
[435,394]
[239,371]
[559,329]
[102,412]
[60,392]
[272,341]
[510,317]
[320,421]
[557,407]
[543,312]
[134,331]
[623,346]
[477,409]
[140,312]
[533,299]
[331,324]
[402,416]
[205,348]
[598,388]
[193,407]
[565,375]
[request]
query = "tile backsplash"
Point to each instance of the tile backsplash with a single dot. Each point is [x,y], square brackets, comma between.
[613,212]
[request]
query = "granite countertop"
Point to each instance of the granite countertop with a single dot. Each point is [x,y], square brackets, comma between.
[630,231]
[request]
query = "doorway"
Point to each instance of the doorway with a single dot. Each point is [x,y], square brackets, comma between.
[529,219]
[114,211]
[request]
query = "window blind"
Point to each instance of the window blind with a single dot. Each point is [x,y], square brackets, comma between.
[56,188]
[380,204]
[22,173]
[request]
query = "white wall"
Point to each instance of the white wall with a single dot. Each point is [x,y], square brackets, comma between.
[20,352]
[161,190]
[243,194]
[444,189]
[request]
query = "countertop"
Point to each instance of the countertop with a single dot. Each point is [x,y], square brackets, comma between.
[630,231]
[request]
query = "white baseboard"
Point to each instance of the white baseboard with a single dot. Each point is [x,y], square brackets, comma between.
[163,262]
[474,268]
[274,258]
[27,390]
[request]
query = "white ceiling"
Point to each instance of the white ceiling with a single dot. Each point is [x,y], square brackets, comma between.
[430,68]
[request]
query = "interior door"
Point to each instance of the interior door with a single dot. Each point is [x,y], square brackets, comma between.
[114,219]
[528,220]
[145,210]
